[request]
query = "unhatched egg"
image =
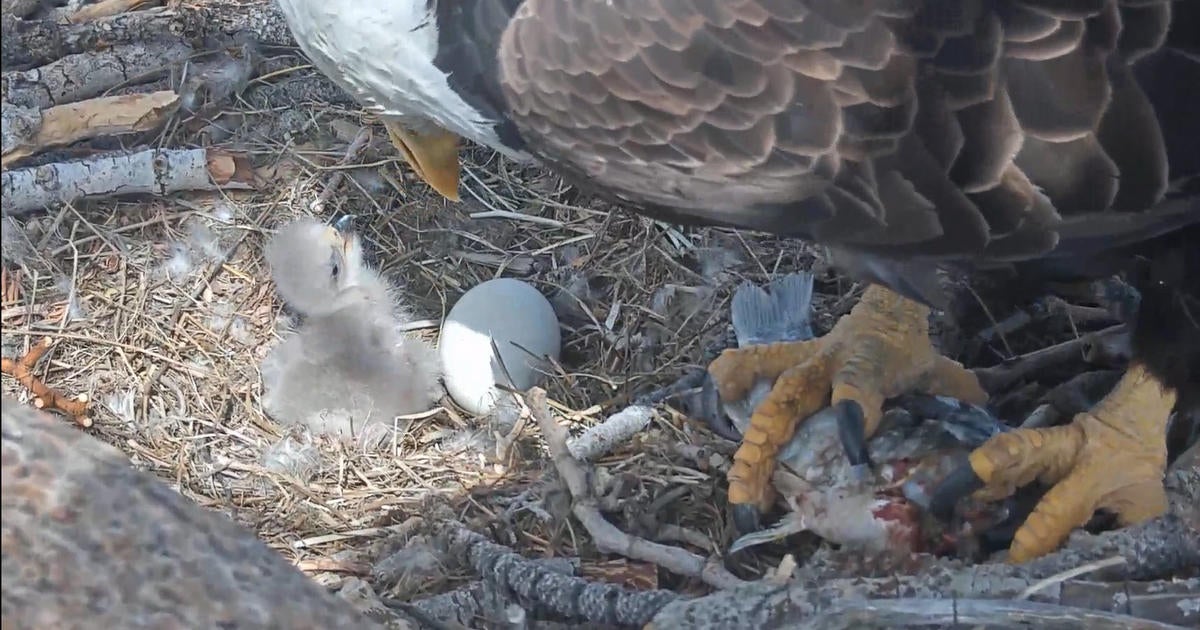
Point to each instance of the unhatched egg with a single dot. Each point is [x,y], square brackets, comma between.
[524,327]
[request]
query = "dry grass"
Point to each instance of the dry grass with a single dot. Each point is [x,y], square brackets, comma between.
[162,309]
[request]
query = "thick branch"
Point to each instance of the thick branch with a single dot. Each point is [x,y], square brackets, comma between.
[90,542]
[148,172]
[35,42]
[878,613]
[803,602]
[104,116]
[83,75]
[544,592]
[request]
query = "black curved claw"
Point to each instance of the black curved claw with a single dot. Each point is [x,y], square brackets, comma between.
[746,518]
[852,431]
[711,412]
[960,483]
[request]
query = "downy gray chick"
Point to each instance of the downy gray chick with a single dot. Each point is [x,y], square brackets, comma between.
[349,369]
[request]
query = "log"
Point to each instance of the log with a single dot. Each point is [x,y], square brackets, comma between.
[81,76]
[546,593]
[152,172]
[105,116]
[90,542]
[997,592]
[31,43]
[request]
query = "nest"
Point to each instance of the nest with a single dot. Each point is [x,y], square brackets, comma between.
[159,310]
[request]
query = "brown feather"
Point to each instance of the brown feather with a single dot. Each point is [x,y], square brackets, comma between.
[945,129]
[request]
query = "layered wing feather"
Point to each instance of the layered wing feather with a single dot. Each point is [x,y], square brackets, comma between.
[941,129]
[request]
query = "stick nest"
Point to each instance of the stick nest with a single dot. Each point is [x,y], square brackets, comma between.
[160,311]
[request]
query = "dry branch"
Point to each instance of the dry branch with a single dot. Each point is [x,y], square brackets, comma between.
[811,600]
[81,76]
[601,438]
[90,542]
[544,592]
[104,8]
[150,172]
[607,537]
[483,603]
[29,43]
[925,612]
[812,603]
[104,116]
[1105,345]
[45,397]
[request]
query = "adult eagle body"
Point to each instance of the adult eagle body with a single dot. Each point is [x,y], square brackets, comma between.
[904,134]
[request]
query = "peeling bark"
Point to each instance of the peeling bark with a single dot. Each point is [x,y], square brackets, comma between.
[29,43]
[598,440]
[105,116]
[847,603]
[81,76]
[90,542]
[547,593]
[148,172]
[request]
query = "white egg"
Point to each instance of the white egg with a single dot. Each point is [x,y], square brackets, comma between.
[509,312]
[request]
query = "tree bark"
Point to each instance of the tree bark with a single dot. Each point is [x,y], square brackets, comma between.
[30,43]
[90,542]
[152,172]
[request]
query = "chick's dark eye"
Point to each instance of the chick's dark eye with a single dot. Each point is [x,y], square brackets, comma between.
[334,267]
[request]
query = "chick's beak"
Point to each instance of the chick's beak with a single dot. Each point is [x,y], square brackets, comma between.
[340,236]
[432,154]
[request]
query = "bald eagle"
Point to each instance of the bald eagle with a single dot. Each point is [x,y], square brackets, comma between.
[906,135]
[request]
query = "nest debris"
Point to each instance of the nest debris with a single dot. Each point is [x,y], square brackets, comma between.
[160,311]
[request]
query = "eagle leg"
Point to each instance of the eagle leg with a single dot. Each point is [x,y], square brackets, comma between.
[879,350]
[1111,457]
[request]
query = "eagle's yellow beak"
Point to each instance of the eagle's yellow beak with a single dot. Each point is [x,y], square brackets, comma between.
[433,155]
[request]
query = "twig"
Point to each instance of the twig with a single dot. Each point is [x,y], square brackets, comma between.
[516,216]
[360,141]
[154,172]
[402,529]
[1066,575]
[334,566]
[45,397]
[601,438]
[607,537]
[1012,370]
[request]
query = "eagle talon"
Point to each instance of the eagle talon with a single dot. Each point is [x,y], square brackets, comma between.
[852,432]
[711,412]
[1111,458]
[880,350]
[960,483]
[747,518]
